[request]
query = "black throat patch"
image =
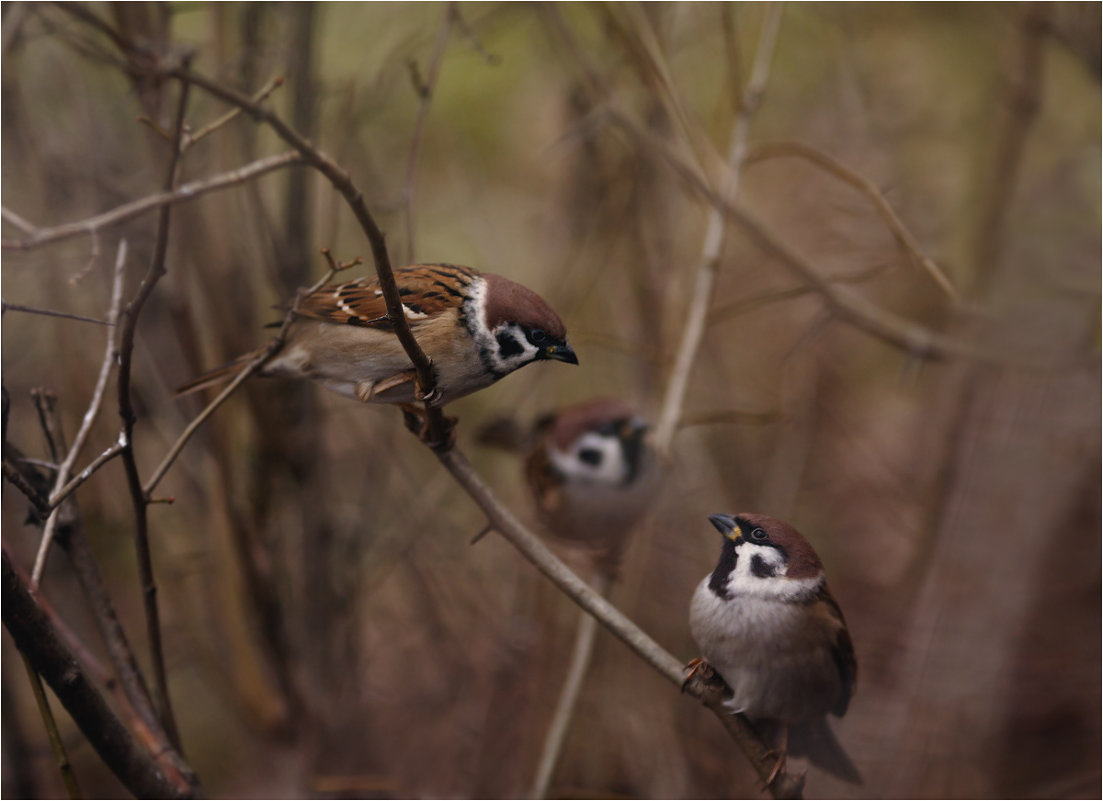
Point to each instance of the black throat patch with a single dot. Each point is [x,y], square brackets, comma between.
[718,581]
[761,568]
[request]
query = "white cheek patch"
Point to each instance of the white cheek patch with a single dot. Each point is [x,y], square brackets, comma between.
[606,463]
[746,582]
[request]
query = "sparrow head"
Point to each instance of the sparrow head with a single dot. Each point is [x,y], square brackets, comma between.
[765,558]
[599,443]
[591,475]
[513,326]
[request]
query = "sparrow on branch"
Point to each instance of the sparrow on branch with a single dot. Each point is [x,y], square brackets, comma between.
[766,622]
[475,327]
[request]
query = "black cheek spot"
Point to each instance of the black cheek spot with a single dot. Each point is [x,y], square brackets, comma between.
[761,568]
[590,456]
[508,346]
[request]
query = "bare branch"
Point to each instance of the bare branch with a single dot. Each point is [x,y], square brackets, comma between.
[713,244]
[36,237]
[568,694]
[17,307]
[146,774]
[770,150]
[57,745]
[75,543]
[63,470]
[438,428]
[249,369]
[210,128]
[128,416]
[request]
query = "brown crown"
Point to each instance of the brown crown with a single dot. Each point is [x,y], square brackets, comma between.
[802,559]
[509,302]
[572,422]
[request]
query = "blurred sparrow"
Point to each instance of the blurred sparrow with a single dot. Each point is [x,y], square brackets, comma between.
[476,328]
[591,475]
[765,620]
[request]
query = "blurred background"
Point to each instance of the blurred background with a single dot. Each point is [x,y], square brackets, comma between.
[329,630]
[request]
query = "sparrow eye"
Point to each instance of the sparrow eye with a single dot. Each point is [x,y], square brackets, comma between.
[758,534]
[590,456]
[538,337]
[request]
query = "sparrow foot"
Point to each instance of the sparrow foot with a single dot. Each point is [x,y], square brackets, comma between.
[417,423]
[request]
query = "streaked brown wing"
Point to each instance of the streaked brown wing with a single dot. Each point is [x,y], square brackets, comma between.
[425,289]
[843,652]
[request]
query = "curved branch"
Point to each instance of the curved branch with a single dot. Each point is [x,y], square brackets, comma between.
[772,150]
[342,182]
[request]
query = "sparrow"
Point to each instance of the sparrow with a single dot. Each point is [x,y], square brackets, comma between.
[591,475]
[475,327]
[765,620]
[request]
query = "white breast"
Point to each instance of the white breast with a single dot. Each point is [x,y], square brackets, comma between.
[775,654]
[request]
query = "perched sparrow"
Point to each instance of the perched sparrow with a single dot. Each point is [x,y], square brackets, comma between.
[591,475]
[765,620]
[476,328]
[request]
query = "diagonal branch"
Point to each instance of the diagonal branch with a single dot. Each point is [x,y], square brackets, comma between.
[145,773]
[36,237]
[64,469]
[771,150]
[343,183]
[535,551]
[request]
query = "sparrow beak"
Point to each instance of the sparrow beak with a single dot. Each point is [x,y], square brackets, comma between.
[725,524]
[561,353]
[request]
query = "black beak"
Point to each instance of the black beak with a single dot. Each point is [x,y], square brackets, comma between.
[561,353]
[725,524]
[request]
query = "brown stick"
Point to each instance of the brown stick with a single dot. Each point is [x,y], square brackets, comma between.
[144,772]
[139,499]
[37,237]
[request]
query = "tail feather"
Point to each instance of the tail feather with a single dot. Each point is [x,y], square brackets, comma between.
[220,375]
[818,743]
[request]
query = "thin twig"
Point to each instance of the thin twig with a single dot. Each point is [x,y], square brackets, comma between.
[94,405]
[36,237]
[23,225]
[57,745]
[426,90]
[17,307]
[720,314]
[771,150]
[210,128]
[568,694]
[249,369]
[712,247]
[139,499]
[60,495]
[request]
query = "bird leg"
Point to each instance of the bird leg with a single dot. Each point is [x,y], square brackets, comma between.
[368,391]
[417,422]
[781,753]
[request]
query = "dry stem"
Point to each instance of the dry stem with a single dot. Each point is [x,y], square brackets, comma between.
[36,237]
[713,244]
[62,486]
